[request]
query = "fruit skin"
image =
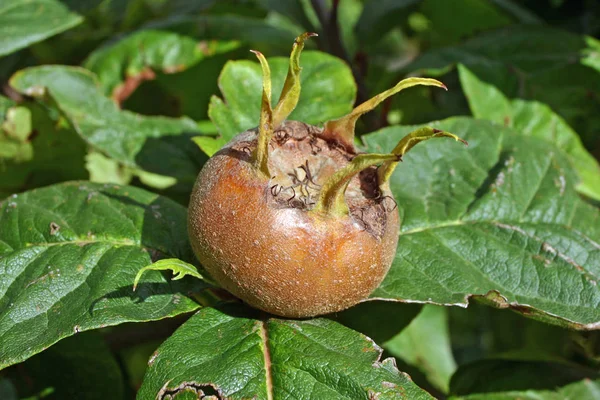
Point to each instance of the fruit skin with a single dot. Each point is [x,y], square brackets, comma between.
[285,260]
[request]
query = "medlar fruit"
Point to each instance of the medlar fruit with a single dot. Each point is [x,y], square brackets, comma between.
[292,218]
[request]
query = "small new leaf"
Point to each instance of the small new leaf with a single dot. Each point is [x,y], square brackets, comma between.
[179,268]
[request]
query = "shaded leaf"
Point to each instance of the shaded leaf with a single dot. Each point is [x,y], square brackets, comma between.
[468,17]
[520,13]
[237,356]
[48,151]
[548,65]
[121,67]
[25,22]
[372,318]
[425,344]
[80,367]
[493,376]
[296,10]
[584,390]
[481,332]
[379,16]
[68,257]
[328,92]
[534,119]
[259,33]
[131,139]
[500,220]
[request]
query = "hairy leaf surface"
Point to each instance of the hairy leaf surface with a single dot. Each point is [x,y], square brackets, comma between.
[500,220]
[239,357]
[68,257]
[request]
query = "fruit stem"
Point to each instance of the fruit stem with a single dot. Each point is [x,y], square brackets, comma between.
[342,129]
[291,87]
[384,172]
[331,199]
[265,127]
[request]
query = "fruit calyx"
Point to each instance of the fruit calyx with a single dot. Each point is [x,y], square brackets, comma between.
[329,197]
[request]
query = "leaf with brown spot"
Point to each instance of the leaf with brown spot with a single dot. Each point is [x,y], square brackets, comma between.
[58,283]
[243,357]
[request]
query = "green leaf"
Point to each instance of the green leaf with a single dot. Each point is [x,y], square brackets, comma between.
[106,170]
[47,152]
[372,318]
[584,390]
[259,33]
[296,10]
[535,63]
[519,12]
[68,257]
[25,22]
[5,104]
[425,344]
[480,332]
[8,390]
[239,357]
[178,267]
[133,140]
[499,375]
[328,92]
[80,367]
[500,221]
[468,17]
[131,60]
[533,119]
[379,16]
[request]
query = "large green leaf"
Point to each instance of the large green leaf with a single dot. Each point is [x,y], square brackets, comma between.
[499,220]
[80,367]
[584,390]
[68,257]
[259,33]
[534,119]
[425,343]
[240,357]
[468,17]
[134,140]
[547,65]
[25,22]
[328,92]
[121,67]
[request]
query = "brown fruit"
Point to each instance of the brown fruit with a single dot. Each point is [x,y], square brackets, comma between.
[289,217]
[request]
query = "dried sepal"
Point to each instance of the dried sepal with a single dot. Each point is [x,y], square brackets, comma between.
[332,196]
[342,129]
[408,142]
[291,87]
[265,127]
